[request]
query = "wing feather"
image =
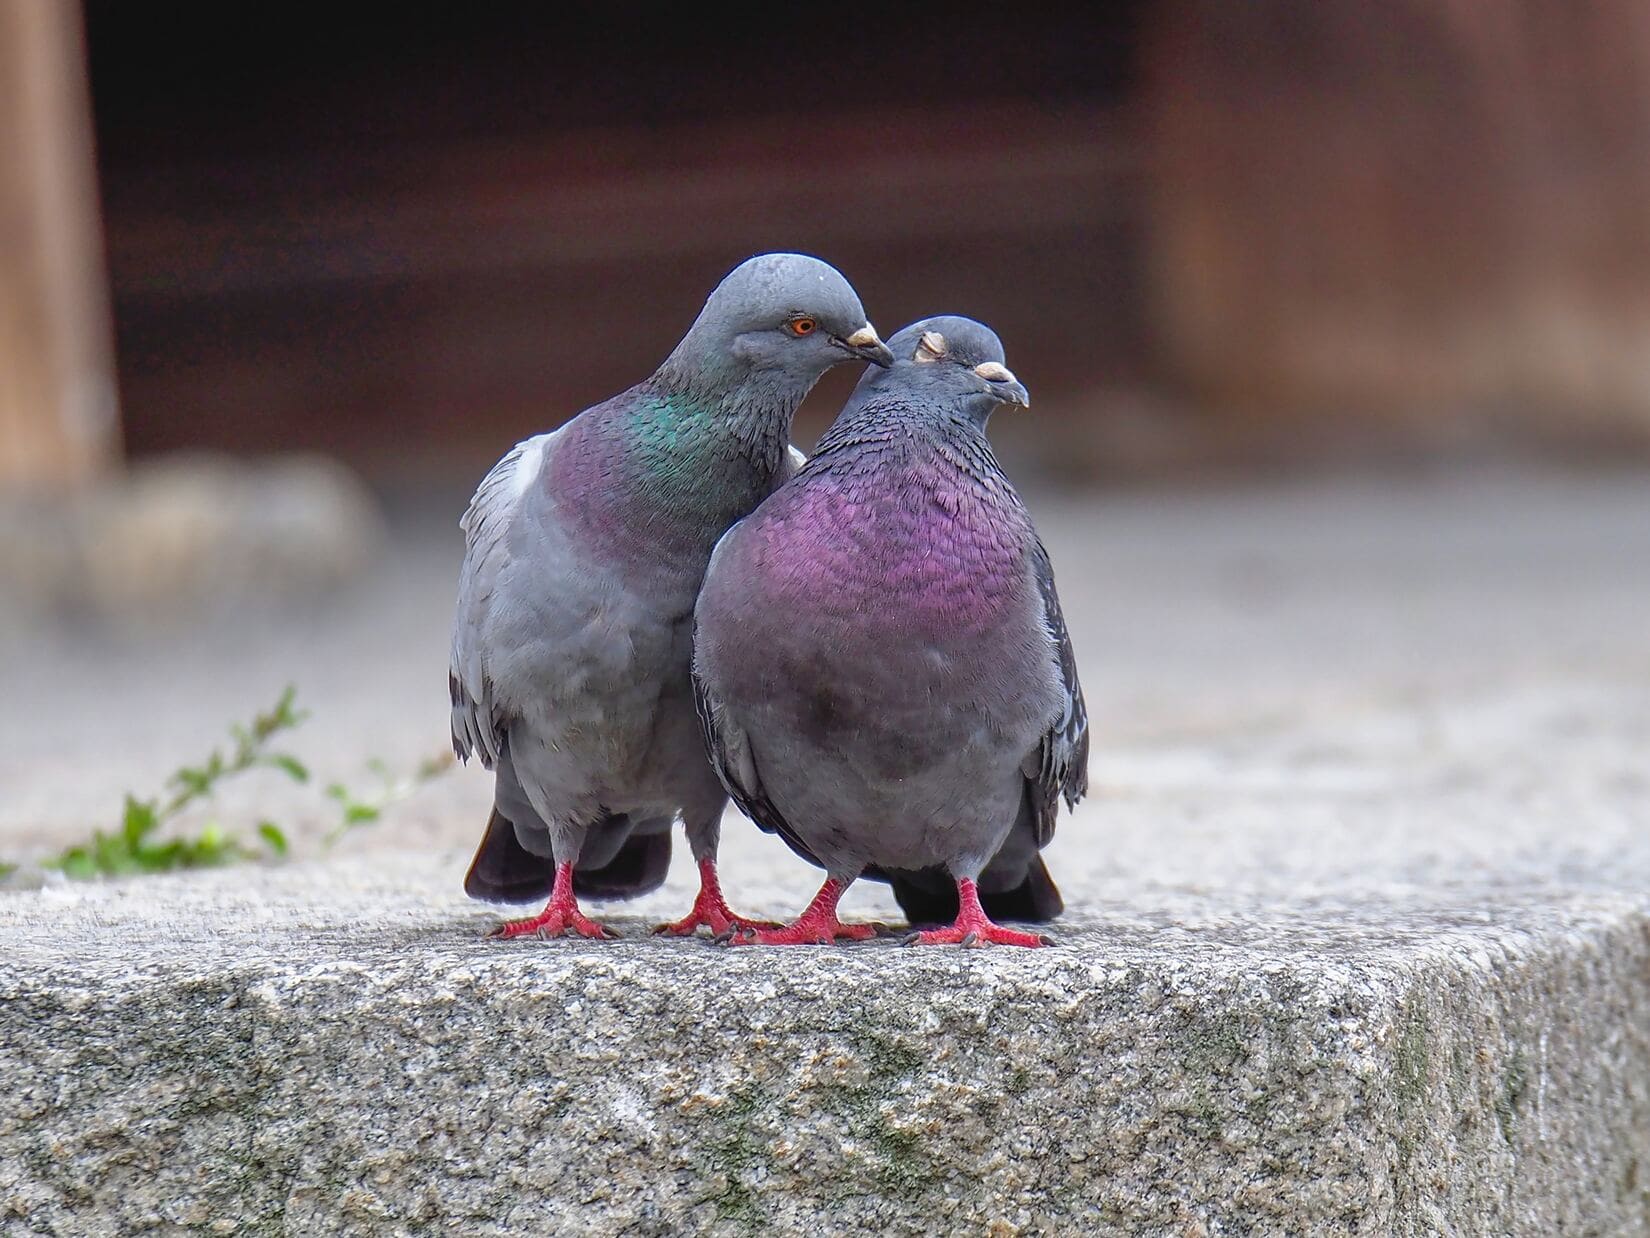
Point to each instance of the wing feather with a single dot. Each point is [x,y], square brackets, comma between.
[735,765]
[1059,767]
[477,725]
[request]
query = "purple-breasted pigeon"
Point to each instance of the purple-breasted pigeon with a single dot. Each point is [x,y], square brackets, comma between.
[584,551]
[882,669]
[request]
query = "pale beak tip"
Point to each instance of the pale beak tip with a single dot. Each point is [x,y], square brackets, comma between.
[867,344]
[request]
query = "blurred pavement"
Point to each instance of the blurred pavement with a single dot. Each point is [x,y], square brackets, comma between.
[1394,644]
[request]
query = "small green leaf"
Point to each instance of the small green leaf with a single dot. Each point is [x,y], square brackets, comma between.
[6,870]
[138,821]
[355,814]
[338,791]
[77,863]
[295,769]
[272,835]
[110,850]
[162,858]
[192,782]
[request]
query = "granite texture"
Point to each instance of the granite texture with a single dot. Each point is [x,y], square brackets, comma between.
[337,1050]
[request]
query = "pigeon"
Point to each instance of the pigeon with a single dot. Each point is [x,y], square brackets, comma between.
[881,666]
[584,551]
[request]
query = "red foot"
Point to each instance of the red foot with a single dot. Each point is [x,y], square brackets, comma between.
[711,910]
[560,914]
[817,926]
[973,927]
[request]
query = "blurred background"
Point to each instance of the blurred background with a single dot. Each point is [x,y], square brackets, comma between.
[277,284]
[1214,234]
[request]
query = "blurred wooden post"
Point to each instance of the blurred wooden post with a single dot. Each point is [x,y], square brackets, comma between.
[58,427]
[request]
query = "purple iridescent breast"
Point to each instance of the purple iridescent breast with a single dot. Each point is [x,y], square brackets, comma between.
[911,551]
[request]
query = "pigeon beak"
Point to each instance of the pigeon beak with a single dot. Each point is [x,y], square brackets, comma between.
[866,345]
[1004,386]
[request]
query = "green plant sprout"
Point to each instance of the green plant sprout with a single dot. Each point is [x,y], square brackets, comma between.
[357,811]
[134,848]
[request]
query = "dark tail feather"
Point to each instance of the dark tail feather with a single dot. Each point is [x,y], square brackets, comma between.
[640,865]
[928,897]
[931,897]
[504,871]
[1036,900]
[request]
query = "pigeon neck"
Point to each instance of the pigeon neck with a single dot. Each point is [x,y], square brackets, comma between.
[752,407]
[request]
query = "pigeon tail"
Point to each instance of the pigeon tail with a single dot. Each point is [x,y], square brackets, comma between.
[642,862]
[504,871]
[1036,900]
[930,897]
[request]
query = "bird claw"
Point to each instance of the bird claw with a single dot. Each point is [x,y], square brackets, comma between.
[973,936]
[550,925]
[717,922]
[804,934]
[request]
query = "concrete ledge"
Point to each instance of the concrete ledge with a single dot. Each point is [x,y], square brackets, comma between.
[321,1050]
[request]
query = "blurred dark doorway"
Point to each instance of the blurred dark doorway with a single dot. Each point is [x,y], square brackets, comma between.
[408,238]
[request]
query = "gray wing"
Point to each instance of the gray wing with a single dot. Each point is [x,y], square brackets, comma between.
[477,725]
[729,750]
[730,756]
[1059,767]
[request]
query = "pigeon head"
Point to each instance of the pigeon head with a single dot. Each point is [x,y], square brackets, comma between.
[953,359]
[788,317]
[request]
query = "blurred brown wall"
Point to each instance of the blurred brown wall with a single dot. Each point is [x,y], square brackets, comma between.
[410,243]
[1423,211]
[1206,230]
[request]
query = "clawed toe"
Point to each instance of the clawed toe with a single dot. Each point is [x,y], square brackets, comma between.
[974,936]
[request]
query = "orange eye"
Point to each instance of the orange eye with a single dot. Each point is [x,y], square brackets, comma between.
[801,326]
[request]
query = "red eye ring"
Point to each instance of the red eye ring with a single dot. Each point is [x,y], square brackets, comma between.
[801,326]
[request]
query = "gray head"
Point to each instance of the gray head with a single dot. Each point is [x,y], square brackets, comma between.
[953,359]
[785,317]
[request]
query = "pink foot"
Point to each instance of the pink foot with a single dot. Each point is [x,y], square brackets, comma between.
[711,910]
[817,926]
[560,915]
[973,927]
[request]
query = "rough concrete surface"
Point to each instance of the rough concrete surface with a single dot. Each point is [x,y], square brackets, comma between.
[1359,939]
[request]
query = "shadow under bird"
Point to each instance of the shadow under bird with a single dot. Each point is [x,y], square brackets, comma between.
[584,552]
[882,669]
